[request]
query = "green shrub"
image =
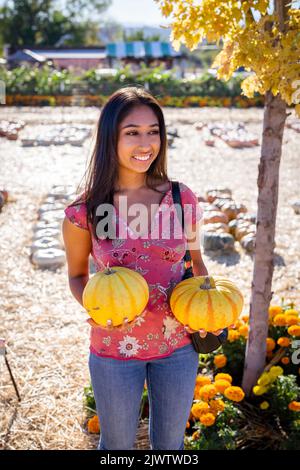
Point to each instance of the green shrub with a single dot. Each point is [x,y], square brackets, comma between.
[45,80]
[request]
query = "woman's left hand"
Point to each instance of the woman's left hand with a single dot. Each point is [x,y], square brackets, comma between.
[203,332]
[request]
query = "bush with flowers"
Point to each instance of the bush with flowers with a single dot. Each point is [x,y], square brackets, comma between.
[270,418]
[214,418]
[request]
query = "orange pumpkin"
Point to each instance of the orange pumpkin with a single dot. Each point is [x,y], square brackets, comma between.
[212,217]
[216,227]
[206,302]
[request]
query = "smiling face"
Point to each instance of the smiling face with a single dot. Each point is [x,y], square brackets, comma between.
[139,140]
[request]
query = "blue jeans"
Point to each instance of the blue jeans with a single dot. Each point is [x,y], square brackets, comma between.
[118,386]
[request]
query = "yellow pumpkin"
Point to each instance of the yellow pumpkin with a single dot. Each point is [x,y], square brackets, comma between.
[115,295]
[206,302]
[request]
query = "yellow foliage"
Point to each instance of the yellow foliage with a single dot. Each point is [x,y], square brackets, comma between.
[251,41]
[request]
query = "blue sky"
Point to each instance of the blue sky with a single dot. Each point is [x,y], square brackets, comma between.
[142,12]
[136,12]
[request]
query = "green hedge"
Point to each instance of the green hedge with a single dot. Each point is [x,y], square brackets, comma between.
[37,81]
[46,81]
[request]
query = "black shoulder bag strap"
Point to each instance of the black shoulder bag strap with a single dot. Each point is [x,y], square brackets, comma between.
[177,201]
[211,342]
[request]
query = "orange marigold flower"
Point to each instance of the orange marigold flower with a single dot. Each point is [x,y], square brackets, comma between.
[245,318]
[195,435]
[187,425]
[291,320]
[203,380]
[294,330]
[285,360]
[93,425]
[199,408]
[294,406]
[237,324]
[217,405]
[220,360]
[291,311]
[283,342]
[208,391]
[233,335]
[222,375]
[279,320]
[234,393]
[208,419]
[221,385]
[197,392]
[270,344]
[274,310]
[244,330]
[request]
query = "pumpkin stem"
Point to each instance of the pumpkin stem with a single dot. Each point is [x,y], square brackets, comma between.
[208,283]
[108,269]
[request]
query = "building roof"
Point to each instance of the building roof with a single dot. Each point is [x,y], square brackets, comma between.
[136,49]
[140,49]
[72,53]
[26,55]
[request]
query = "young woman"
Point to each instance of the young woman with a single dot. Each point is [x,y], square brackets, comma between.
[129,164]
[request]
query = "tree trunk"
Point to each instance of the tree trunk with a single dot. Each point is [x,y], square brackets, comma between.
[268,178]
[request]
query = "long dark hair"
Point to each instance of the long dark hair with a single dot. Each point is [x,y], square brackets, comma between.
[102,172]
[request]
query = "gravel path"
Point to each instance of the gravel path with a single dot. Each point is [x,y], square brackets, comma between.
[44,325]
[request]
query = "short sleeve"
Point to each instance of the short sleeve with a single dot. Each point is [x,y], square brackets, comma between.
[77,214]
[192,211]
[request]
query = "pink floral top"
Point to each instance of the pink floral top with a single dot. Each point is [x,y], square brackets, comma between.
[156,332]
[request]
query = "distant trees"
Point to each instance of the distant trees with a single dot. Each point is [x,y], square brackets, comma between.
[45,22]
[140,36]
